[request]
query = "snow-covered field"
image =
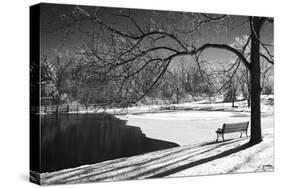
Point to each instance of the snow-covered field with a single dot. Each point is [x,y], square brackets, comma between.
[215,104]
[197,124]
[189,127]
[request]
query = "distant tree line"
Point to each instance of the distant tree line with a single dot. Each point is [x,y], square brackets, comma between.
[66,78]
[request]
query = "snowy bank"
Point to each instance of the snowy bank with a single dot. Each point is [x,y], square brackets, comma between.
[231,156]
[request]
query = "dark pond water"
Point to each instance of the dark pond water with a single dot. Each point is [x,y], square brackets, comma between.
[73,140]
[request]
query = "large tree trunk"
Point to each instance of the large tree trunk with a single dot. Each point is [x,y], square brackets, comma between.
[256,134]
[248,88]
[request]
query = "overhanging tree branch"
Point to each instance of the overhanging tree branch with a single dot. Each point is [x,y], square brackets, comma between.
[225,47]
[143,35]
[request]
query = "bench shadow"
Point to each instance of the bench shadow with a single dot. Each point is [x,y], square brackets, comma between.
[202,161]
[217,142]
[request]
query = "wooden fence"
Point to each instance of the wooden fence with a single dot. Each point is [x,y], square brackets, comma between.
[113,108]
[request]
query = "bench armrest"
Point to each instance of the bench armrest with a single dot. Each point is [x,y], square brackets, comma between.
[219,130]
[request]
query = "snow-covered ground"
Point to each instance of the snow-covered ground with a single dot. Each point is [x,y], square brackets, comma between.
[211,105]
[240,106]
[189,127]
[198,154]
[231,156]
[257,158]
[197,124]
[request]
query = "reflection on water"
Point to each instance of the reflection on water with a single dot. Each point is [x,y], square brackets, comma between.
[73,140]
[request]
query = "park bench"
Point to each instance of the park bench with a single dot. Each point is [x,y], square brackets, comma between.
[231,128]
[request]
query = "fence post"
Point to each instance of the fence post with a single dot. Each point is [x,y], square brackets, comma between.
[57,109]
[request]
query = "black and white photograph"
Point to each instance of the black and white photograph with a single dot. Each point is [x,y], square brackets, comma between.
[130,94]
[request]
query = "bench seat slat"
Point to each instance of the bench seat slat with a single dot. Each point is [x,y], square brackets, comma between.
[236,124]
[234,130]
[238,127]
[241,127]
[235,127]
[240,123]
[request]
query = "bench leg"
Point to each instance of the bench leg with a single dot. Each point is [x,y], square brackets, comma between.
[241,135]
[217,137]
[247,133]
[222,137]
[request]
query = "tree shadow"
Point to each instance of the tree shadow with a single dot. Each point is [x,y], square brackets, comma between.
[202,161]
[138,167]
[172,155]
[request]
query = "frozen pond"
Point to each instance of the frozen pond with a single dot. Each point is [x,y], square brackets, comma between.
[189,127]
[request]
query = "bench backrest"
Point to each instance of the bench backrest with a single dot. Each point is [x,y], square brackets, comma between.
[235,127]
